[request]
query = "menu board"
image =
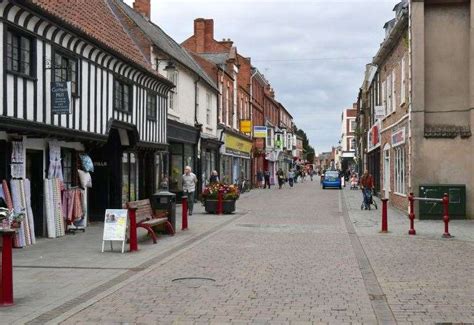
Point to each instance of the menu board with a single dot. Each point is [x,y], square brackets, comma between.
[115,225]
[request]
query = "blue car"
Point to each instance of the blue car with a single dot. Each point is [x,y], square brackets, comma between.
[332,179]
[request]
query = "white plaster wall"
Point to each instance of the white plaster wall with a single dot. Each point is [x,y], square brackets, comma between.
[211,128]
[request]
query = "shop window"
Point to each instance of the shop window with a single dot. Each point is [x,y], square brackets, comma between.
[19,53]
[129,177]
[65,69]
[122,96]
[176,165]
[400,182]
[151,106]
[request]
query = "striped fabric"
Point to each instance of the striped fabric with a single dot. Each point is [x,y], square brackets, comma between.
[18,207]
[48,200]
[29,211]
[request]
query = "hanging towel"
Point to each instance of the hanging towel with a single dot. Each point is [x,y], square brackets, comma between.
[18,159]
[20,240]
[48,200]
[55,170]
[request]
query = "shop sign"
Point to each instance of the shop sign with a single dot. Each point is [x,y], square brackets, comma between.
[115,227]
[373,137]
[379,112]
[398,137]
[259,131]
[245,126]
[234,145]
[61,97]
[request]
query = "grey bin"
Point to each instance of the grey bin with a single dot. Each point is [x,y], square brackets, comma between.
[165,200]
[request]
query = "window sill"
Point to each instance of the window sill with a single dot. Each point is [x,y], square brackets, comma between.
[122,111]
[22,75]
[173,113]
[400,194]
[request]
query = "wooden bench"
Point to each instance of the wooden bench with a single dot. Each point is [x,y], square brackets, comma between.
[147,218]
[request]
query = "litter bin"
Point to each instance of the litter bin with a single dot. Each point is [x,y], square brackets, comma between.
[165,200]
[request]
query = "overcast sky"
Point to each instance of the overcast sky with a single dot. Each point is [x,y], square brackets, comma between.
[313,52]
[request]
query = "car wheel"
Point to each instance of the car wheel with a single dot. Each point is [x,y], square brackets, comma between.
[324,187]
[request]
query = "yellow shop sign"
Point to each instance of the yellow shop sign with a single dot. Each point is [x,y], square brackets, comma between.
[237,145]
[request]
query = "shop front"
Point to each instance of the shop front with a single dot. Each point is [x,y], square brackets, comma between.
[183,140]
[209,158]
[235,158]
[373,154]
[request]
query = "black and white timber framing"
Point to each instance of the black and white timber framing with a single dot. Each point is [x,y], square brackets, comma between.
[25,100]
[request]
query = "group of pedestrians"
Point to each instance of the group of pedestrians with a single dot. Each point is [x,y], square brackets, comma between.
[291,177]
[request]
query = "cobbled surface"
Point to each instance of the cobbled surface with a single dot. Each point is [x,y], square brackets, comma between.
[290,261]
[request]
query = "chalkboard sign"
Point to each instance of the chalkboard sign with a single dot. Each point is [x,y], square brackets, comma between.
[61,97]
[115,227]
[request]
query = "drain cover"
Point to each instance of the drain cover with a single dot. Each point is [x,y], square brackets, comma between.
[194,282]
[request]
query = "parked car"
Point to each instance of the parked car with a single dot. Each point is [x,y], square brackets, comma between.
[332,179]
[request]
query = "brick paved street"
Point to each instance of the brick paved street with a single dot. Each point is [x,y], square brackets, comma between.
[290,260]
[300,255]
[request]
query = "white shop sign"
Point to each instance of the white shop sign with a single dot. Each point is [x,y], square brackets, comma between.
[115,227]
[379,112]
[398,137]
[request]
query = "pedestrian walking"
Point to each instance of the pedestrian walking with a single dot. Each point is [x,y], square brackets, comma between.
[214,177]
[266,176]
[260,179]
[311,174]
[189,187]
[367,185]
[281,178]
[291,176]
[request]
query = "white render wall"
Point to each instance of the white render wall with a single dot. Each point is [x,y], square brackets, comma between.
[211,128]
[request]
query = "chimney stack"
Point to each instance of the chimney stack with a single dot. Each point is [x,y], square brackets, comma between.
[203,33]
[143,7]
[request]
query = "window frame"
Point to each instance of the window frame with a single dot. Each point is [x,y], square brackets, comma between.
[400,170]
[151,95]
[32,52]
[173,76]
[208,108]
[74,91]
[123,82]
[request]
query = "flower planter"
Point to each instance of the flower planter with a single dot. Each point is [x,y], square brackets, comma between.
[228,206]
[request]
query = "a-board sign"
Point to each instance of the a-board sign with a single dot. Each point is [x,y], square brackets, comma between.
[115,226]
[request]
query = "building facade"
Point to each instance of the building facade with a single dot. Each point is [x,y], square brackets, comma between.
[348,141]
[115,113]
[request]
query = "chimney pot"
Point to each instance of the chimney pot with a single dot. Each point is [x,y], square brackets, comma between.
[143,7]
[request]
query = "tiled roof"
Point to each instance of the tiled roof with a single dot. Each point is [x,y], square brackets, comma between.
[96,19]
[164,42]
[217,58]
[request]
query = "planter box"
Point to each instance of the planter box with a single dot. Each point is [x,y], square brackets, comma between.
[228,206]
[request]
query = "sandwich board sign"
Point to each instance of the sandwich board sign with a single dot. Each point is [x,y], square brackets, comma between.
[115,227]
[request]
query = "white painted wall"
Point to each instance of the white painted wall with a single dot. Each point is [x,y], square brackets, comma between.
[210,128]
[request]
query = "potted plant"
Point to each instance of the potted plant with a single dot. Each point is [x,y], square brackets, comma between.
[210,196]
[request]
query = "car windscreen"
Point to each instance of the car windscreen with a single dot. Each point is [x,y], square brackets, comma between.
[331,176]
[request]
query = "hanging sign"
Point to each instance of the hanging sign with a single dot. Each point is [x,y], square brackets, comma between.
[115,227]
[373,137]
[245,126]
[61,97]
[379,112]
[398,137]
[259,131]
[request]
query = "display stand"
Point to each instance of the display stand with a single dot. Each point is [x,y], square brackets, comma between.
[115,227]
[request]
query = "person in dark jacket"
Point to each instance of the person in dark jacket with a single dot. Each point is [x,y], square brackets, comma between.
[214,177]
[281,178]
[267,178]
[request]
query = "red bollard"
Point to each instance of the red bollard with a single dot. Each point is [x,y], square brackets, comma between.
[6,284]
[184,223]
[411,199]
[384,216]
[133,229]
[446,216]
[220,207]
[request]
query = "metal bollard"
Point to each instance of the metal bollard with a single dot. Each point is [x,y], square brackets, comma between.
[384,216]
[411,200]
[6,284]
[184,223]
[133,229]
[220,204]
[446,216]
